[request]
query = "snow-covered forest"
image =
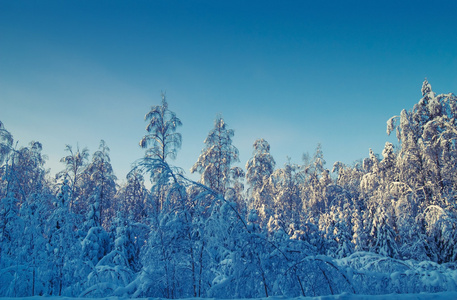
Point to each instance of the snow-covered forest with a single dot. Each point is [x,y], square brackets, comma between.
[384,225]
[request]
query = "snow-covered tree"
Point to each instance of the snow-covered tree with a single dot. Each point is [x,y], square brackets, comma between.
[27,170]
[32,253]
[75,163]
[113,272]
[166,259]
[387,164]
[10,224]
[427,135]
[360,235]
[343,231]
[258,171]
[96,243]
[11,244]
[383,235]
[216,160]
[315,179]
[287,202]
[133,197]
[6,142]
[100,183]
[161,142]
[62,247]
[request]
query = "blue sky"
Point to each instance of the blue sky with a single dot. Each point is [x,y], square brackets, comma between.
[293,72]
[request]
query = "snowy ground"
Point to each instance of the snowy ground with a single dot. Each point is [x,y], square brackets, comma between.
[424,296]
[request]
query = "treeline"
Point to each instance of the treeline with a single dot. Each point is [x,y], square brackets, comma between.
[259,231]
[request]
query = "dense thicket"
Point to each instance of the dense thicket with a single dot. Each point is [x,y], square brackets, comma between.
[386,224]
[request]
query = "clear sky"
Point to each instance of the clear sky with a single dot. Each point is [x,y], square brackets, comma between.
[293,72]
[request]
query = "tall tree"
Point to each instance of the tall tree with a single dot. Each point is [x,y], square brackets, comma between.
[287,202]
[258,171]
[101,182]
[75,163]
[427,135]
[315,179]
[163,142]
[162,139]
[215,162]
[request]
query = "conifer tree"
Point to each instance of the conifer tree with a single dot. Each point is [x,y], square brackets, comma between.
[216,160]
[258,171]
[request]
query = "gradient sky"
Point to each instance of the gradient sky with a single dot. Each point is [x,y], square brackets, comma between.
[293,72]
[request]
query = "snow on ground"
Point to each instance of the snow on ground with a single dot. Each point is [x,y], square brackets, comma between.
[345,296]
